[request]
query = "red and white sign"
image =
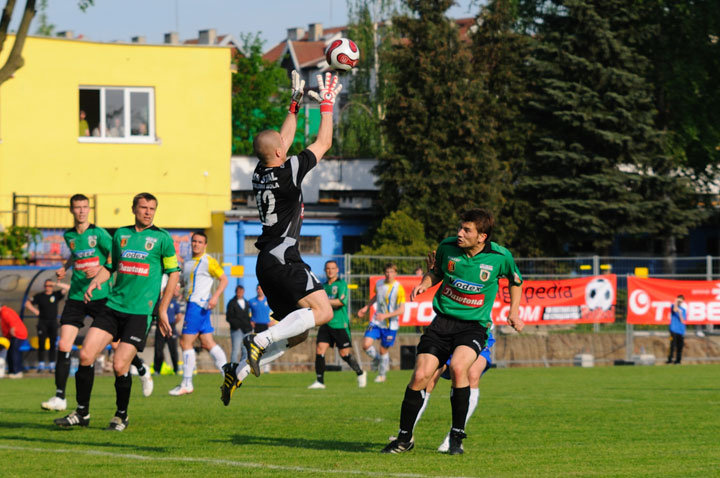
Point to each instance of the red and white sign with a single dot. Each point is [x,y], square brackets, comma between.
[134,268]
[82,264]
[568,301]
[649,300]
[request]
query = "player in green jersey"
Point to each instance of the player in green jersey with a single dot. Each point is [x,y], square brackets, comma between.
[336,331]
[140,255]
[469,267]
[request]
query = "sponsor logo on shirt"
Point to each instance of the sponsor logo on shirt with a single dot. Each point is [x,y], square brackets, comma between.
[150,243]
[484,275]
[83,264]
[92,241]
[72,244]
[85,253]
[130,254]
[134,268]
[468,300]
[467,286]
[124,240]
[52,299]
[451,266]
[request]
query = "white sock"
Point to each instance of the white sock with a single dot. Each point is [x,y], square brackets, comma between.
[474,396]
[188,366]
[218,354]
[295,323]
[242,370]
[372,353]
[274,351]
[422,409]
[384,364]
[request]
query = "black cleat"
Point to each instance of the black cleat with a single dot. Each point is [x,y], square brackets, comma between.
[73,419]
[118,424]
[230,383]
[456,446]
[254,353]
[397,446]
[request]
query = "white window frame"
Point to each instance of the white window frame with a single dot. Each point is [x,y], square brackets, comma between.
[151,138]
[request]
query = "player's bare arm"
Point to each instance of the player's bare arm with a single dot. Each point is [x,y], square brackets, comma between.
[216,295]
[61,285]
[329,90]
[429,279]
[361,313]
[163,322]
[97,282]
[514,316]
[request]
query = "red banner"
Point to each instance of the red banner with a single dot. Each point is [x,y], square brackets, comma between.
[568,301]
[649,300]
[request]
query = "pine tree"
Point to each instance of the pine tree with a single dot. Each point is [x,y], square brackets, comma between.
[438,158]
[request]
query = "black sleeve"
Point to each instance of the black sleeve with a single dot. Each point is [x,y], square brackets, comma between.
[59,294]
[302,164]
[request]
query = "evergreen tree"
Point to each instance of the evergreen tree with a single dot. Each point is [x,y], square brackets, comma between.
[438,158]
[594,133]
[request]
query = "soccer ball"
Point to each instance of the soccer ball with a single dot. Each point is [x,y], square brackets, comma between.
[342,54]
[599,294]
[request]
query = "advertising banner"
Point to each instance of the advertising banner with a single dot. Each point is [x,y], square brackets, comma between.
[649,300]
[581,300]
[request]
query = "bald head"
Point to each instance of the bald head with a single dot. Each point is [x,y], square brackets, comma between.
[266,143]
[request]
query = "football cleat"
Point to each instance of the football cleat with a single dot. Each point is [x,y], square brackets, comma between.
[147,384]
[230,383]
[397,446]
[118,424]
[316,386]
[456,438]
[55,403]
[362,380]
[180,390]
[254,353]
[73,419]
[379,379]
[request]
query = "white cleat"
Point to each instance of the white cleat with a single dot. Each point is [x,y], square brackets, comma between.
[362,380]
[316,386]
[180,390]
[445,445]
[379,379]
[147,383]
[55,403]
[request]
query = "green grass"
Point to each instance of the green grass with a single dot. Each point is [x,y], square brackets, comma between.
[608,421]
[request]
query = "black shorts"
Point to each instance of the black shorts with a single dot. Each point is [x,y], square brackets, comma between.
[334,337]
[75,311]
[128,328]
[260,327]
[284,278]
[445,334]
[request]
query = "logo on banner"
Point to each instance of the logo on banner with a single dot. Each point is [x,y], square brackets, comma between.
[134,268]
[72,244]
[150,243]
[124,240]
[599,294]
[468,300]
[92,241]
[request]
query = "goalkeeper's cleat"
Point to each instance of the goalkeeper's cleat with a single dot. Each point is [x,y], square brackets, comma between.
[254,353]
[397,446]
[230,383]
[456,438]
[73,419]
[118,424]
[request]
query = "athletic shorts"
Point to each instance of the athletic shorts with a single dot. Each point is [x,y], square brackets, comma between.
[445,334]
[129,328]
[284,278]
[261,327]
[485,354]
[386,336]
[75,311]
[334,337]
[197,320]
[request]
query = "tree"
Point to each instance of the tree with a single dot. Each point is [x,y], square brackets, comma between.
[14,242]
[594,133]
[260,97]
[45,27]
[15,60]
[438,157]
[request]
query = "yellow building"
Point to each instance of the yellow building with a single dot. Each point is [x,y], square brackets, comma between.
[158,120]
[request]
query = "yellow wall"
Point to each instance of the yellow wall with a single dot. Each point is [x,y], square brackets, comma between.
[40,152]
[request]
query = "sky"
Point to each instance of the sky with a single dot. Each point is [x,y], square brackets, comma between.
[119,20]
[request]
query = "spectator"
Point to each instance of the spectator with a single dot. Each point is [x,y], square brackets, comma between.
[13,328]
[84,129]
[238,316]
[116,129]
[678,316]
[419,271]
[259,312]
[4,345]
[45,306]
[174,314]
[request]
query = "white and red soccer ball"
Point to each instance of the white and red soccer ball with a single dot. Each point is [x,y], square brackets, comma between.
[342,54]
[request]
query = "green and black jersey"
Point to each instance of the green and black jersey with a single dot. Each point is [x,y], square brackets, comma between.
[90,249]
[140,258]
[338,290]
[470,284]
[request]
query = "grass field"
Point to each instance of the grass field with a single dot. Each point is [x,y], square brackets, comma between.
[608,421]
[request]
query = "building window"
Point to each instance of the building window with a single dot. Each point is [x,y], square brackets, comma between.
[311,245]
[112,114]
